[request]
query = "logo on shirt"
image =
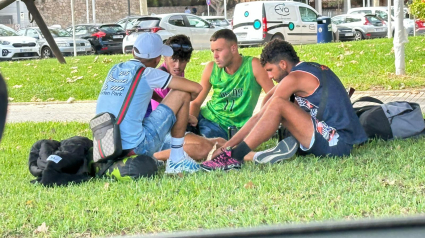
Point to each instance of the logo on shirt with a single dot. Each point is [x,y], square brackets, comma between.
[236,93]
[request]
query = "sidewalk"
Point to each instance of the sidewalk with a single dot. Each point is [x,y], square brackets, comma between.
[85,110]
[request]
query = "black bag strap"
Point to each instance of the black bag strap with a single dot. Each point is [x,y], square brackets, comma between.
[324,98]
[368,99]
[130,94]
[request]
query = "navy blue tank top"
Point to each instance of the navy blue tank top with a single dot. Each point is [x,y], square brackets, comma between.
[339,121]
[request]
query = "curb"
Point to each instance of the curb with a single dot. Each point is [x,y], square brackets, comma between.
[412,91]
[48,103]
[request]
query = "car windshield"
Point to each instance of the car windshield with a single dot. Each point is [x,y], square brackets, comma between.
[337,20]
[130,23]
[382,15]
[147,22]
[7,32]
[59,33]
[111,28]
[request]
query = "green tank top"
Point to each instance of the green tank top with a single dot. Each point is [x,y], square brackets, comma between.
[234,96]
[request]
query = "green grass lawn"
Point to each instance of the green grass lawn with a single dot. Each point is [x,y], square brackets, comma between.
[380,179]
[364,65]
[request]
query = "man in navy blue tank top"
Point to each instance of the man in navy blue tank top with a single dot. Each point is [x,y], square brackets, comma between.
[328,131]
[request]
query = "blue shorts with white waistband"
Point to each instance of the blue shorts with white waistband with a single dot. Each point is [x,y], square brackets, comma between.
[319,146]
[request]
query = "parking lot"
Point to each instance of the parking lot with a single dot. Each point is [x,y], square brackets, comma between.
[305,27]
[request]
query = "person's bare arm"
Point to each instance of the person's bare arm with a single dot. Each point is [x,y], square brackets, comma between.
[268,96]
[185,85]
[195,105]
[261,75]
[288,86]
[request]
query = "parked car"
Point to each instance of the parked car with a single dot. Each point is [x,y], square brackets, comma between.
[63,40]
[218,21]
[13,46]
[166,25]
[382,12]
[366,26]
[258,22]
[420,27]
[104,38]
[343,33]
[130,23]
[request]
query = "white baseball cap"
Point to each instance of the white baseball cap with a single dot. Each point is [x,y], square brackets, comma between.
[150,46]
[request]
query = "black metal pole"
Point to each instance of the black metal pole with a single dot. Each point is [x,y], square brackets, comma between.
[3,104]
[43,27]
[5,3]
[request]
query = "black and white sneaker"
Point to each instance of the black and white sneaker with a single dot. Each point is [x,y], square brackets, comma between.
[284,150]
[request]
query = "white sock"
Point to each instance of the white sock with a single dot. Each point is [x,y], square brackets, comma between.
[177,152]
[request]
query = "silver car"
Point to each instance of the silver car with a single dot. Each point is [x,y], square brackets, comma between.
[166,25]
[63,40]
[382,12]
[365,26]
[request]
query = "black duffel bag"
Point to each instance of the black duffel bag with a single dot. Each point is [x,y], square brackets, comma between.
[390,120]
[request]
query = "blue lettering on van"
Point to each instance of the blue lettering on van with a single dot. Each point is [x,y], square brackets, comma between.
[246,14]
[257,24]
[281,10]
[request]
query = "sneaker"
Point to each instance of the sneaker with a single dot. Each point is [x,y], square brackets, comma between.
[284,150]
[223,161]
[160,163]
[187,165]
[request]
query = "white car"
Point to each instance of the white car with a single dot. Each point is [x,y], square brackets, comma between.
[166,25]
[218,21]
[14,46]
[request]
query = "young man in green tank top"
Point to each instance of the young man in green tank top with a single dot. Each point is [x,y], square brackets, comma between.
[236,82]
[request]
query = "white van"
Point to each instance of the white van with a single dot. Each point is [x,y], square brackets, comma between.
[259,22]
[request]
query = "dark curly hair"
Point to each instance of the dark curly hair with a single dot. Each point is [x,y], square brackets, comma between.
[277,50]
[179,54]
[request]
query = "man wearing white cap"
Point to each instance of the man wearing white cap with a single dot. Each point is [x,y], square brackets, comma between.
[144,136]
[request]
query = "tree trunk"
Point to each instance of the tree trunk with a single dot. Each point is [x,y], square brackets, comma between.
[217,5]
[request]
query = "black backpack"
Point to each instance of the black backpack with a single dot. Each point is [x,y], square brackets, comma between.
[390,120]
[60,163]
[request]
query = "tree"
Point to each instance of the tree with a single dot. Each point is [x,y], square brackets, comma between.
[218,6]
[417,9]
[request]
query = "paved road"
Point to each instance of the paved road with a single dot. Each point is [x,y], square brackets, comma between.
[84,111]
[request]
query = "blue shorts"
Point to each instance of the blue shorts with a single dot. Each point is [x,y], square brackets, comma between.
[210,129]
[319,146]
[157,126]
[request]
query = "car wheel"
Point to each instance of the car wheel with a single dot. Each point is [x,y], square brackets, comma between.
[277,36]
[46,53]
[358,35]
